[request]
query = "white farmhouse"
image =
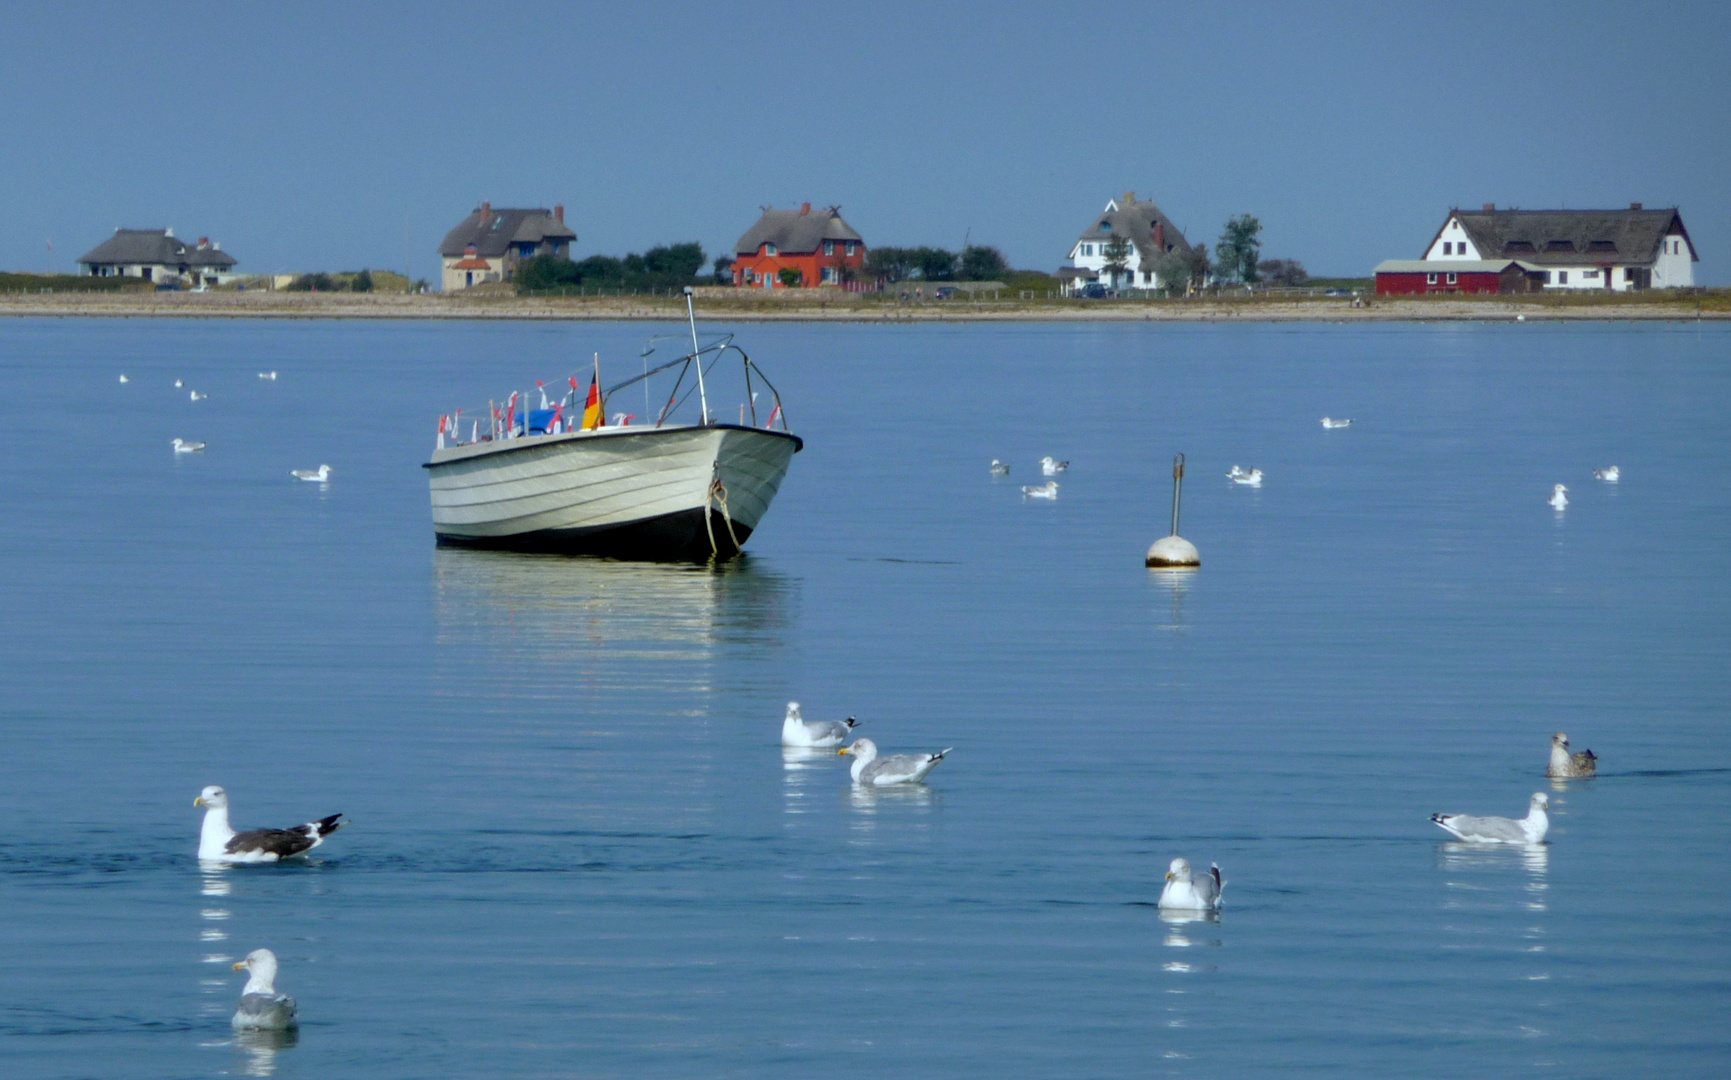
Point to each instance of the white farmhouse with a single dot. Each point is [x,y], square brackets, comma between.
[1151,236]
[155,255]
[1575,249]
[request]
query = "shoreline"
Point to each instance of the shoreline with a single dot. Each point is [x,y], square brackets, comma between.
[731,307]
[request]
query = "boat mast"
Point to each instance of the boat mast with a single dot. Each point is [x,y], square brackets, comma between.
[702,394]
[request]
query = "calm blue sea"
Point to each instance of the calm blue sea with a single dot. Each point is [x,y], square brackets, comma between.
[577,849]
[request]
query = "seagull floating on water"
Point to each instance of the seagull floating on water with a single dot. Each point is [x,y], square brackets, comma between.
[1186,892]
[1048,490]
[1050,466]
[261,1007]
[268,376]
[1609,476]
[196,396]
[123,378]
[1501,830]
[1248,477]
[180,384]
[873,771]
[999,468]
[218,842]
[1559,498]
[181,446]
[1331,422]
[798,731]
[316,476]
[1564,765]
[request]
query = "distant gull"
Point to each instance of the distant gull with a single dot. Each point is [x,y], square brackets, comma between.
[123,378]
[1050,466]
[181,446]
[268,376]
[1559,498]
[316,476]
[999,468]
[1609,476]
[180,384]
[1188,893]
[261,1007]
[1500,830]
[1048,490]
[218,841]
[1564,765]
[1247,477]
[196,396]
[1330,422]
[798,731]
[874,771]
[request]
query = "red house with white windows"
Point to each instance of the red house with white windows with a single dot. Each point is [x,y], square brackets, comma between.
[821,247]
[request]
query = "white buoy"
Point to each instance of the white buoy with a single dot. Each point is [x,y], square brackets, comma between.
[1174,550]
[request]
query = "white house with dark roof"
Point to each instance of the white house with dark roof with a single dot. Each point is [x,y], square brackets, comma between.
[1618,250]
[156,255]
[489,244]
[1151,235]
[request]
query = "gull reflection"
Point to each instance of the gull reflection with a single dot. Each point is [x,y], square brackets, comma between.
[261,1049]
[806,771]
[870,800]
[215,879]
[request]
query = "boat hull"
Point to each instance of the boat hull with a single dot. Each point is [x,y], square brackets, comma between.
[642,493]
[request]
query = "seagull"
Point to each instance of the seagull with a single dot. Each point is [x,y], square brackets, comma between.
[196,396]
[1188,893]
[1500,830]
[316,476]
[123,379]
[1609,476]
[1048,490]
[1330,422]
[1247,477]
[1050,466]
[180,384]
[999,468]
[268,376]
[181,446]
[261,1007]
[873,771]
[218,841]
[1564,765]
[1559,498]
[798,731]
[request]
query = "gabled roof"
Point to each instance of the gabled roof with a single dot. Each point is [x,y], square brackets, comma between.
[493,231]
[1451,266]
[154,247]
[1135,222]
[796,232]
[1571,237]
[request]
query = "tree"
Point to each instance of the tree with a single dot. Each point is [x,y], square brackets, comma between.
[791,276]
[1174,271]
[363,282]
[934,264]
[889,263]
[1117,252]
[674,264]
[983,264]
[1239,248]
[1200,267]
[546,272]
[724,269]
[313,283]
[1283,271]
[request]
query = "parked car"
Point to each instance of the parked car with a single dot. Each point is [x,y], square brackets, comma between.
[1338,292]
[944,293]
[1095,291]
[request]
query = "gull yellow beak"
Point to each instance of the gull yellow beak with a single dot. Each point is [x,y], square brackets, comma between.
[1168,875]
[198,801]
[844,751]
[240,966]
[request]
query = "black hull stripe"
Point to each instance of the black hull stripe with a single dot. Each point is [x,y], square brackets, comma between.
[676,537]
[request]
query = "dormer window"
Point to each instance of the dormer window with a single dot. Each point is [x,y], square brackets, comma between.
[1518,247]
[1105,226]
[829,247]
[1560,245]
[769,249]
[1602,245]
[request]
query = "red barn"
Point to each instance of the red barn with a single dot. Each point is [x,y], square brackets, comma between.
[821,246]
[1407,277]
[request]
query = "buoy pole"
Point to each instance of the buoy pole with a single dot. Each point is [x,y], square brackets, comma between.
[1174,550]
[1177,488]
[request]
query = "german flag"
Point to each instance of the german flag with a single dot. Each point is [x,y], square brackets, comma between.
[592,414]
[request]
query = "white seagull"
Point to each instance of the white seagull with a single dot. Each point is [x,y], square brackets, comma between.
[123,378]
[181,446]
[1609,476]
[218,842]
[1186,892]
[1331,422]
[1500,830]
[180,384]
[315,476]
[1564,765]
[196,396]
[1048,490]
[268,376]
[1050,466]
[1559,498]
[1248,477]
[873,771]
[798,731]
[261,1007]
[999,468]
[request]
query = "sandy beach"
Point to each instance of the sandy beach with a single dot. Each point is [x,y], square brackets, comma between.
[826,305]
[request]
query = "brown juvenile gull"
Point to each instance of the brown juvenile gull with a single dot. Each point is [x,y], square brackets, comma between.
[1500,830]
[1566,766]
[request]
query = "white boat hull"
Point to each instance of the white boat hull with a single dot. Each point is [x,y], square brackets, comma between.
[636,493]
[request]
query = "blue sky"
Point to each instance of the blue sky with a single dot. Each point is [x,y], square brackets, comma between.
[305,136]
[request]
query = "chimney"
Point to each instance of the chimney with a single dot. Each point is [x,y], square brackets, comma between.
[1129,198]
[203,242]
[1490,206]
[804,209]
[216,245]
[486,212]
[559,213]
[1160,236]
[1634,206]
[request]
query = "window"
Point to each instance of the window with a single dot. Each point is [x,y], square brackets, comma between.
[1105,226]
[852,249]
[1430,279]
[1448,248]
[1545,276]
[1562,277]
[829,247]
[1589,273]
[1560,245]
[1452,279]
[769,249]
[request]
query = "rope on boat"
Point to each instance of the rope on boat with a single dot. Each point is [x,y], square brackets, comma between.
[718,495]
